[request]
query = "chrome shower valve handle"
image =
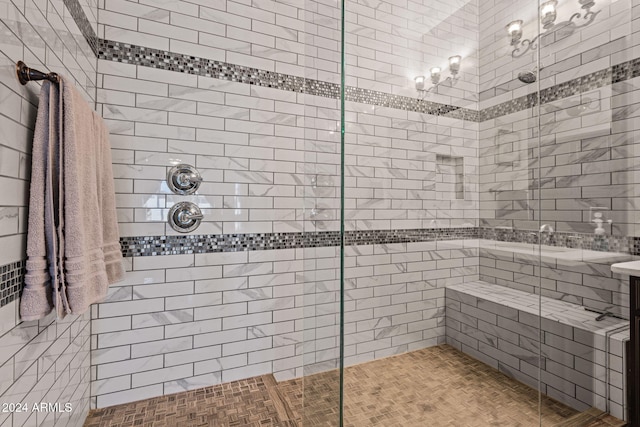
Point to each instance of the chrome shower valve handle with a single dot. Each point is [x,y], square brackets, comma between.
[184,179]
[185,217]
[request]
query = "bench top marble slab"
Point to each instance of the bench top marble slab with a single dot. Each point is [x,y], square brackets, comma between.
[631,268]
[560,311]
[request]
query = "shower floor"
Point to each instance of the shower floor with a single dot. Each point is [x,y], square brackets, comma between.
[437,386]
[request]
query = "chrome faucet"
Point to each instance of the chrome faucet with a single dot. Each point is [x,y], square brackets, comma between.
[546,228]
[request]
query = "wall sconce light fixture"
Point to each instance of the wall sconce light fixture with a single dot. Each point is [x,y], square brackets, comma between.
[515,31]
[454,64]
[548,15]
[435,74]
[587,4]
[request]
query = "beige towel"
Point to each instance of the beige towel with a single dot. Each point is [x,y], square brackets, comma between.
[73,244]
[38,295]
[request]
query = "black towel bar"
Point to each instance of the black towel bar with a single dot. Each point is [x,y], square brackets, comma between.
[26,74]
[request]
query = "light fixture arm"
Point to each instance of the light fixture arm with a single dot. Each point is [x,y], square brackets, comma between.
[435,75]
[522,46]
[452,80]
[588,17]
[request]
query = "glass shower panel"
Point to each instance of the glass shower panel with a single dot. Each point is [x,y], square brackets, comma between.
[587,200]
[411,202]
[509,198]
[321,275]
[319,191]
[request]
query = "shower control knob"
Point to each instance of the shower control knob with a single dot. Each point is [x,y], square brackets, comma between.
[185,217]
[184,179]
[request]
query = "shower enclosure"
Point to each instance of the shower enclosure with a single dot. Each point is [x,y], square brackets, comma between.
[476,180]
[411,209]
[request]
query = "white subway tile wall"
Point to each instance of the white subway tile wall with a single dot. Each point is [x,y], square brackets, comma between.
[271,158]
[587,150]
[271,163]
[44,361]
[221,85]
[270,312]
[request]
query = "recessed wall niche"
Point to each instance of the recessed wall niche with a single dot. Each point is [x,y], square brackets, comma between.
[449,177]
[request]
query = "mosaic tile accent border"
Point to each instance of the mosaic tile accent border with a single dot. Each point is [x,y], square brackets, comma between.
[586,241]
[11,281]
[615,74]
[139,55]
[155,58]
[194,244]
[381,99]
[76,11]
[12,275]
[212,243]
[377,237]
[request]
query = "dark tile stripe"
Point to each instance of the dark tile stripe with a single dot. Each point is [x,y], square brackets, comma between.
[587,241]
[155,58]
[189,244]
[75,9]
[171,61]
[576,86]
[211,243]
[194,244]
[12,275]
[11,281]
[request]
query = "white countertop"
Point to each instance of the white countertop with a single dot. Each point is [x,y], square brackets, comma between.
[631,268]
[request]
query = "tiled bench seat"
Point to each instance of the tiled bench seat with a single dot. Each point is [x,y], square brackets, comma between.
[502,327]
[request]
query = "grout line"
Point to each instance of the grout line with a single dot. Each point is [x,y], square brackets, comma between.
[76,11]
